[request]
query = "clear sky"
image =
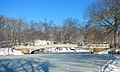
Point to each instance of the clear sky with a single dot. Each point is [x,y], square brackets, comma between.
[56,10]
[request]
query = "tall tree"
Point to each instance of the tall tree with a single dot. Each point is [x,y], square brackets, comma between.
[105,13]
[2,25]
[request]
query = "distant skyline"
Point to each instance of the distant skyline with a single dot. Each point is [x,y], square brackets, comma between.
[38,10]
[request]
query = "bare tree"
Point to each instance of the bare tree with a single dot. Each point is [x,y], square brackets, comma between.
[70,27]
[2,25]
[58,34]
[107,14]
[47,29]
[94,35]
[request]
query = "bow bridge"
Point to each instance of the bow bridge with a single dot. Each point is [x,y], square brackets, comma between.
[30,49]
[92,47]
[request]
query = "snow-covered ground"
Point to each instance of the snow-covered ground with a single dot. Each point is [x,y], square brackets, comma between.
[104,52]
[115,66]
[9,51]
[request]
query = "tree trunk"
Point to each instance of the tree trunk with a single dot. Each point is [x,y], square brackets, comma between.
[114,38]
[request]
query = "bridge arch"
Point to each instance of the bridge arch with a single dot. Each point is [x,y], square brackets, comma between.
[53,46]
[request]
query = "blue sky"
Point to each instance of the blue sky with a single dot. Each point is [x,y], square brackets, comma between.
[36,10]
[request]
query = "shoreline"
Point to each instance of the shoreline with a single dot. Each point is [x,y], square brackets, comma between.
[105,66]
[114,66]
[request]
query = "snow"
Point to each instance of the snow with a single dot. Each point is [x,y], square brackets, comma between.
[65,49]
[105,66]
[104,52]
[9,51]
[41,42]
[115,66]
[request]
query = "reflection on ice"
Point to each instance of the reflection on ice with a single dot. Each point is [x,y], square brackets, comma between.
[26,65]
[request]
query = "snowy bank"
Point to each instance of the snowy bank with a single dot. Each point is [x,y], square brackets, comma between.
[115,66]
[9,51]
[105,66]
[104,52]
[112,65]
[117,51]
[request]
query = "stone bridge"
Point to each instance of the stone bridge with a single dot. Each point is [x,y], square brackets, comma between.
[93,47]
[29,49]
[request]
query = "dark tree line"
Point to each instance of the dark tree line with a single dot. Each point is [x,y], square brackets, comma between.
[103,25]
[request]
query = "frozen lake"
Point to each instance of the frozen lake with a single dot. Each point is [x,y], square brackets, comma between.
[62,62]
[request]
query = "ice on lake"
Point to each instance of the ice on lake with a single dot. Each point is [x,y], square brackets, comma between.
[67,62]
